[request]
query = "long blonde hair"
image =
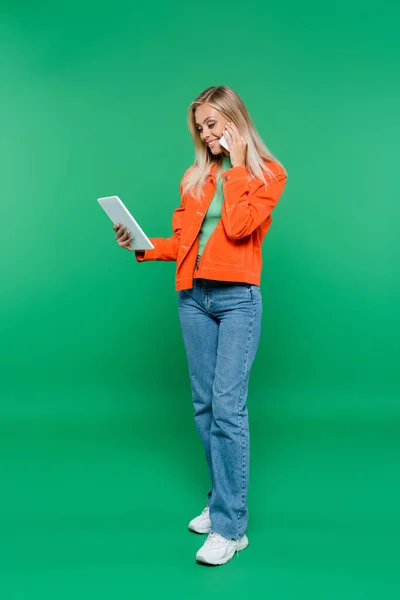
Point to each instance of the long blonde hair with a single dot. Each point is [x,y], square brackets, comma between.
[230,105]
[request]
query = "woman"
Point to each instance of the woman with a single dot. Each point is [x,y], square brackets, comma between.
[226,202]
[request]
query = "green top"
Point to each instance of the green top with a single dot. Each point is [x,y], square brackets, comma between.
[213,214]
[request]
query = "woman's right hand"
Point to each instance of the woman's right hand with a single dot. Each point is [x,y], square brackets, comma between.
[123,236]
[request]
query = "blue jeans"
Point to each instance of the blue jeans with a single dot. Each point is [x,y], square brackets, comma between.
[221,326]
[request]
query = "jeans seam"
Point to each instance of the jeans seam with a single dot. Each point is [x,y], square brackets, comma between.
[241,510]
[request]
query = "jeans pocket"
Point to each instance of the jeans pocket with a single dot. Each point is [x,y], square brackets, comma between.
[254,292]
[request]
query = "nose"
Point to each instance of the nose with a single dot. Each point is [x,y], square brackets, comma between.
[206,136]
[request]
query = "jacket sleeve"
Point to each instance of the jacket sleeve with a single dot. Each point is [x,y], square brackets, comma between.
[166,248]
[244,210]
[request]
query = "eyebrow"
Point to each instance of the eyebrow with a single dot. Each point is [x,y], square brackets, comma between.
[206,119]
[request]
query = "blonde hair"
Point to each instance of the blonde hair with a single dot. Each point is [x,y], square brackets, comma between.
[229,104]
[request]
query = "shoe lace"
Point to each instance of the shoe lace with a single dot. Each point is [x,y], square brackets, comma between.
[215,540]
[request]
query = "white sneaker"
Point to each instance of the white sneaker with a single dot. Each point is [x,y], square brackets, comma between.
[202,523]
[218,550]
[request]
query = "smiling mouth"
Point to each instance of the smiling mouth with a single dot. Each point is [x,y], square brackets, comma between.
[213,142]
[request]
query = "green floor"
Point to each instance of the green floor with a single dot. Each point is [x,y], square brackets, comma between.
[97,495]
[101,466]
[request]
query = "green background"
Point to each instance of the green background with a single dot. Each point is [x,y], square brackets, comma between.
[100,460]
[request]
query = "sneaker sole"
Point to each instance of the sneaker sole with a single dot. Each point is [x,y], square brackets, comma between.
[223,561]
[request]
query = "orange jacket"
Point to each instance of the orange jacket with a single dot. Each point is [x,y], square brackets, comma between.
[233,251]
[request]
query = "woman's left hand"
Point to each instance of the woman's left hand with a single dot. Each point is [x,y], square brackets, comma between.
[237,145]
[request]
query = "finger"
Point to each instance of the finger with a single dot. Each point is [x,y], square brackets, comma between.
[236,134]
[228,135]
[122,233]
[116,226]
[127,248]
[228,132]
[233,127]
[238,139]
[127,244]
[233,132]
[119,228]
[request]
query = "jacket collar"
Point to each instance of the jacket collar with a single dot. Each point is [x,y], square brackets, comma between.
[213,173]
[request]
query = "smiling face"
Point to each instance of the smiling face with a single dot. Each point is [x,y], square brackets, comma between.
[210,124]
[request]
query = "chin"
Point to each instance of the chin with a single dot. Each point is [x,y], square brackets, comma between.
[216,149]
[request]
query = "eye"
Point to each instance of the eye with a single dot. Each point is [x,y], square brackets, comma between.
[210,126]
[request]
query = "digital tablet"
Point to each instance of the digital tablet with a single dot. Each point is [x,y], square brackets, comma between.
[118,213]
